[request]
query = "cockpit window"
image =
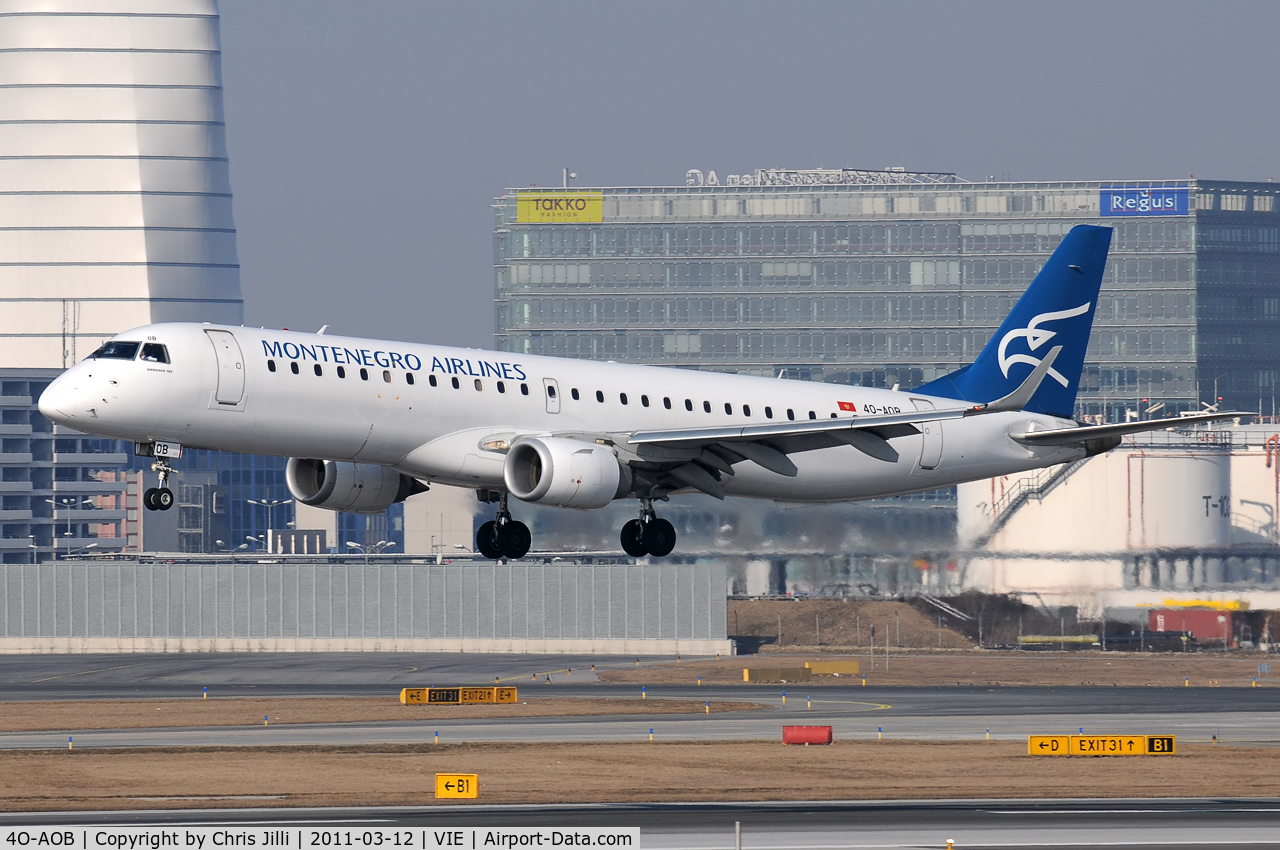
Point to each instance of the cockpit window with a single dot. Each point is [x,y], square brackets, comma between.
[117,351]
[154,352]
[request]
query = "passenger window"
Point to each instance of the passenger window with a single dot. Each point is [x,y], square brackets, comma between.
[455,383]
[688,404]
[116,351]
[728,408]
[408,378]
[666,402]
[599,396]
[768,412]
[812,415]
[524,389]
[293,367]
[502,388]
[746,410]
[551,391]
[431,379]
[479,385]
[622,397]
[644,401]
[364,374]
[154,352]
[791,414]
[342,373]
[574,392]
[271,365]
[706,407]
[386,376]
[318,370]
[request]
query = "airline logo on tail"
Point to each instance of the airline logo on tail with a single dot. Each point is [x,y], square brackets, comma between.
[1036,337]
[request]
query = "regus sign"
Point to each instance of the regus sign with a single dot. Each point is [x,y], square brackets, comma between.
[1113,201]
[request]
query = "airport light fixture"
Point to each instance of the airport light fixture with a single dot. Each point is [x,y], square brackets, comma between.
[270,505]
[67,503]
[372,548]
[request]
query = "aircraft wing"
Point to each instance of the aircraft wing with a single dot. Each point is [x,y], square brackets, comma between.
[769,444]
[800,427]
[1087,433]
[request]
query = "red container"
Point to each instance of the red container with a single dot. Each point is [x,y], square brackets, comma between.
[1204,624]
[806,734]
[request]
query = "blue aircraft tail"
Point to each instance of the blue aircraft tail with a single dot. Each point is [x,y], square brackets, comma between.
[1056,310]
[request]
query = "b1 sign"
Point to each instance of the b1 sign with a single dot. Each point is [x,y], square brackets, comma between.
[1172,200]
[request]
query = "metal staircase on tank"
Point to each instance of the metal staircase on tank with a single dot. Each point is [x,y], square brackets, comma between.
[1037,486]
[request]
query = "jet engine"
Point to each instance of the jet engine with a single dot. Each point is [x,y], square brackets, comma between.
[564,473]
[362,488]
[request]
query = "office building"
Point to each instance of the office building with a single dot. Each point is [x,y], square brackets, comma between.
[895,278]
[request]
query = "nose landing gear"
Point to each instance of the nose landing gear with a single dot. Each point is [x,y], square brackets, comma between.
[159,498]
[503,537]
[648,535]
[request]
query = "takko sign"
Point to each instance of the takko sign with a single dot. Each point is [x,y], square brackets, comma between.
[566,207]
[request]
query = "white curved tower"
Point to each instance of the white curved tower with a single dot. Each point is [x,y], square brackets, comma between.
[115,198]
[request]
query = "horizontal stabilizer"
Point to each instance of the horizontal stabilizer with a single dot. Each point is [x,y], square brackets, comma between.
[1076,436]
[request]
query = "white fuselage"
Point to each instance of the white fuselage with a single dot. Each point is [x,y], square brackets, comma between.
[437,427]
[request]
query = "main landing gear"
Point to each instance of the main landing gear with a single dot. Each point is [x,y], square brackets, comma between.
[648,535]
[159,498]
[503,537]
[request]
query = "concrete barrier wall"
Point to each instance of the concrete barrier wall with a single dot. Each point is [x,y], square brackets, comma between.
[125,606]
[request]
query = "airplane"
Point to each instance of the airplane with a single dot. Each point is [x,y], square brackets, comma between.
[368,423]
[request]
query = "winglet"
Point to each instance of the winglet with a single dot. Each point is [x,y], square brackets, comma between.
[1020,397]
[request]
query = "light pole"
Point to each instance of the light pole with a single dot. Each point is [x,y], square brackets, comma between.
[271,506]
[259,541]
[32,547]
[568,175]
[66,503]
[376,548]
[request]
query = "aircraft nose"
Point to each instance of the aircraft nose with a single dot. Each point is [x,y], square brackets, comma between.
[58,402]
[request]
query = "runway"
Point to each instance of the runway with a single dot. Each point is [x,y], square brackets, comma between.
[1231,715]
[1133,823]
[1235,716]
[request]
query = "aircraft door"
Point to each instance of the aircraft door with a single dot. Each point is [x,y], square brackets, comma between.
[551,390]
[931,437]
[230,390]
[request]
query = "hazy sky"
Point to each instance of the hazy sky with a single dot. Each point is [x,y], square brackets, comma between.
[368,139]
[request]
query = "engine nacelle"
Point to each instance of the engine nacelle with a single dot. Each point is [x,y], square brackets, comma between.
[362,488]
[564,473]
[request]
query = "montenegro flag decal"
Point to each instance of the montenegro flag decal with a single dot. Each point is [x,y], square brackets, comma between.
[848,406]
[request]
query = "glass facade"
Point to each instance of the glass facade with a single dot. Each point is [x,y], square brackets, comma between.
[62,492]
[897,283]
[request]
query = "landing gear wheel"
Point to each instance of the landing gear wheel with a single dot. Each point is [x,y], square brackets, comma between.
[515,540]
[487,541]
[149,499]
[163,499]
[633,539]
[659,537]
